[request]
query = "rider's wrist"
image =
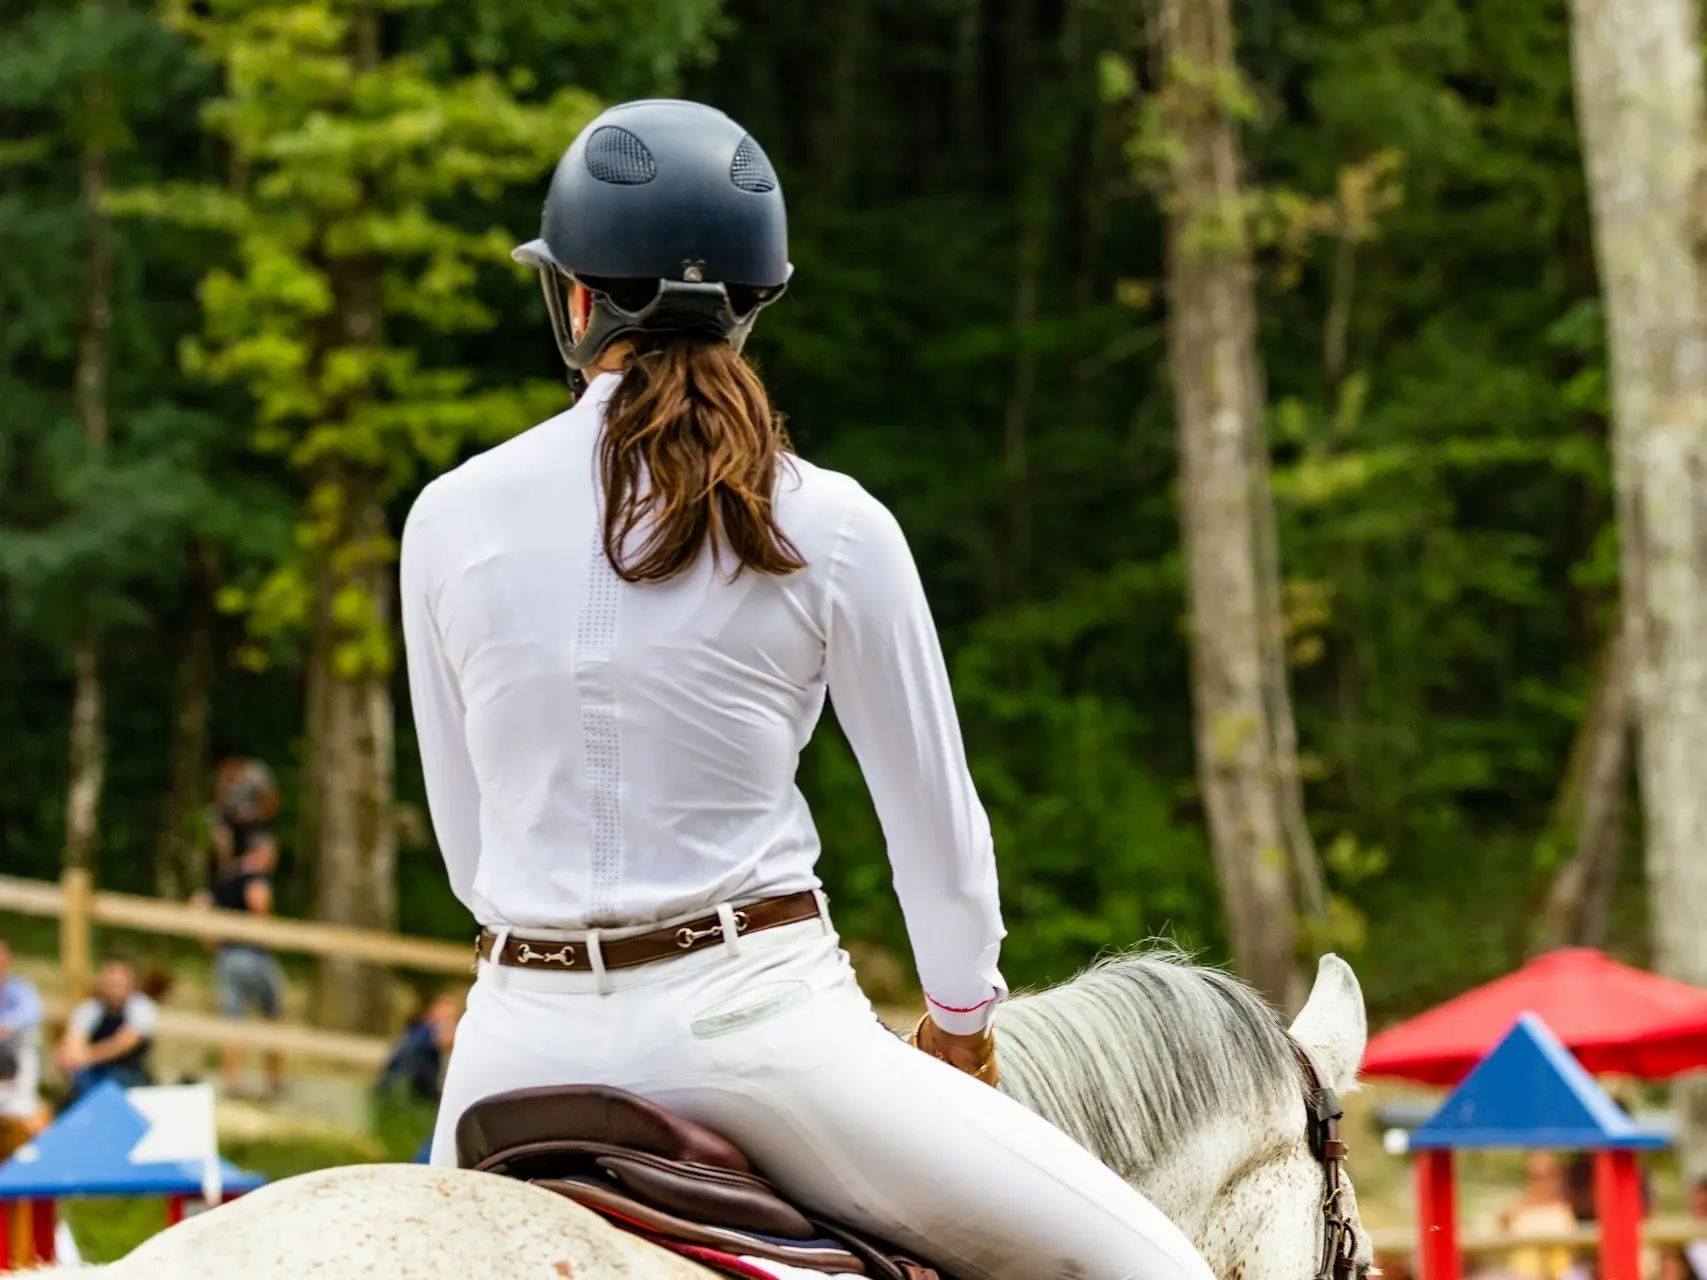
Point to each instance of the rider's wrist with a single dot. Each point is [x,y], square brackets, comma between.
[983,1069]
[968,1020]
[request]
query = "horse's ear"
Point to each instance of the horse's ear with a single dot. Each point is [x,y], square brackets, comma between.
[1333,1025]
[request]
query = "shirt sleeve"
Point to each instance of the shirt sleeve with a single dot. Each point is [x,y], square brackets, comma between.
[84,1019]
[25,1009]
[891,692]
[142,1016]
[453,792]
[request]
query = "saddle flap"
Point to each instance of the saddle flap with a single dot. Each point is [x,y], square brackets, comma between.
[708,1195]
[534,1118]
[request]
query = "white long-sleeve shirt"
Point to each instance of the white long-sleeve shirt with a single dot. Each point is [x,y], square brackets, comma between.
[601,753]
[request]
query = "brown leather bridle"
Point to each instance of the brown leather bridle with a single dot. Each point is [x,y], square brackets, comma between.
[1322,1115]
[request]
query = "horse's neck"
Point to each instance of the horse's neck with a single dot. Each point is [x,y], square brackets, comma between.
[1186,1185]
[1184,1174]
[1172,1075]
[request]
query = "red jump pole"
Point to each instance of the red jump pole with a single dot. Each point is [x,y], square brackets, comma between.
[1437,1218]
[174,1210]
[7,1209]
[43,1220]
[1618,1201]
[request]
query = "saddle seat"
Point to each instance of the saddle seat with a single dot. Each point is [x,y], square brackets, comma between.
[663,1177]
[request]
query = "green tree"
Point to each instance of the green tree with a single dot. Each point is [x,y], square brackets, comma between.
[101,446]
[356,250]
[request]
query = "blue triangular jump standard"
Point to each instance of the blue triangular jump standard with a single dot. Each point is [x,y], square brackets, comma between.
[87,1151]
[1530,1092]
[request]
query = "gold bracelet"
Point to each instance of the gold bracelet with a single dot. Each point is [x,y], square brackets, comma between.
[918,1031]
[980,1071]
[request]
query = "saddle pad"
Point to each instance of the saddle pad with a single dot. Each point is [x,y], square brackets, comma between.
[782,1271]
[726,1263]
[823,1256]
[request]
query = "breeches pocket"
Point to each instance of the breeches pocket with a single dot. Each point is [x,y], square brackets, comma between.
[752,1006]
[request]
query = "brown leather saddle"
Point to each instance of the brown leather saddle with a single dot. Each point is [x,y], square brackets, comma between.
[662,1177]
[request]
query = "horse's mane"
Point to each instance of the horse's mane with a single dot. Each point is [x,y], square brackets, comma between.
[1142,1051]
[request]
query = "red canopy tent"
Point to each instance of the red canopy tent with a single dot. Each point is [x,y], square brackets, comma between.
[1616,1021]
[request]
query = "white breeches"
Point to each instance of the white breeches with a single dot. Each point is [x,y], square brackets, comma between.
[775,1047]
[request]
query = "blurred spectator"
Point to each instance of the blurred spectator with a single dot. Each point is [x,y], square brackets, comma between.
[416,1065]
[1579,1176]
[109,1036]
[247,977]
[1542,1209]
[407,1091]
[20,1123]
[1693,1255]
[1579,1181]
[20,1043]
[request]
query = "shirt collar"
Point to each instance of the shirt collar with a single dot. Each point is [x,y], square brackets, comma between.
[599,391]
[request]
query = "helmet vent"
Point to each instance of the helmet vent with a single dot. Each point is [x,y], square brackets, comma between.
[751,169]
[617,156]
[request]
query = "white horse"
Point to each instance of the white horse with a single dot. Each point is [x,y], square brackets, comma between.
[1179,1077]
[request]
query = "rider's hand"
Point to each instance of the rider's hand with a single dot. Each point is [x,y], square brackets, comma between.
[974,1054]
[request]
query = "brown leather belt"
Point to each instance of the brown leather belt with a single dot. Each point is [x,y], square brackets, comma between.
[522,952]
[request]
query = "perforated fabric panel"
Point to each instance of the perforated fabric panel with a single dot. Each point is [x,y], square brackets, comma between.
[751,169]
[595,638]
[617,156]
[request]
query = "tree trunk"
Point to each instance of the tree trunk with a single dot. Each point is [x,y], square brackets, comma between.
[1640,107]
[88,754]
[1247,761]
[351,763]
[88,734]
[304,880]
[1591,813]
[1016,414]
[968,65]
[179,865]
[1031,169]
[349,687]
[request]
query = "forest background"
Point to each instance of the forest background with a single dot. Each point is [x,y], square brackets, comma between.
[254,292]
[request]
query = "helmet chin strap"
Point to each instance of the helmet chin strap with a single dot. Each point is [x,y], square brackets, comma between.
[693,308]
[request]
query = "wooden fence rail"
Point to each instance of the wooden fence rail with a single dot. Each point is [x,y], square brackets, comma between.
[77,907]
[289,1039]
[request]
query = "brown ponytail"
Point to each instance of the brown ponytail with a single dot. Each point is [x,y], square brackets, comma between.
[693,419]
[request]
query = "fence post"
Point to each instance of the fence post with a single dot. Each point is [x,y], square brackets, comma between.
[76,924]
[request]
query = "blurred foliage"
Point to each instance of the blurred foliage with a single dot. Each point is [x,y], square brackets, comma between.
[974,331]
[348,160]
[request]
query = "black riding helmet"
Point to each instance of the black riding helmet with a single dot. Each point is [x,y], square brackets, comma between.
[671,216]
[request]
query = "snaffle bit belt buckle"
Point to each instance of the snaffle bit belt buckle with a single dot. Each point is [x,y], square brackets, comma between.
[564,955]
[686,937]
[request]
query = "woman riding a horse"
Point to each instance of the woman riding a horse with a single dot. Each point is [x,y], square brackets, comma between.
[621,627]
